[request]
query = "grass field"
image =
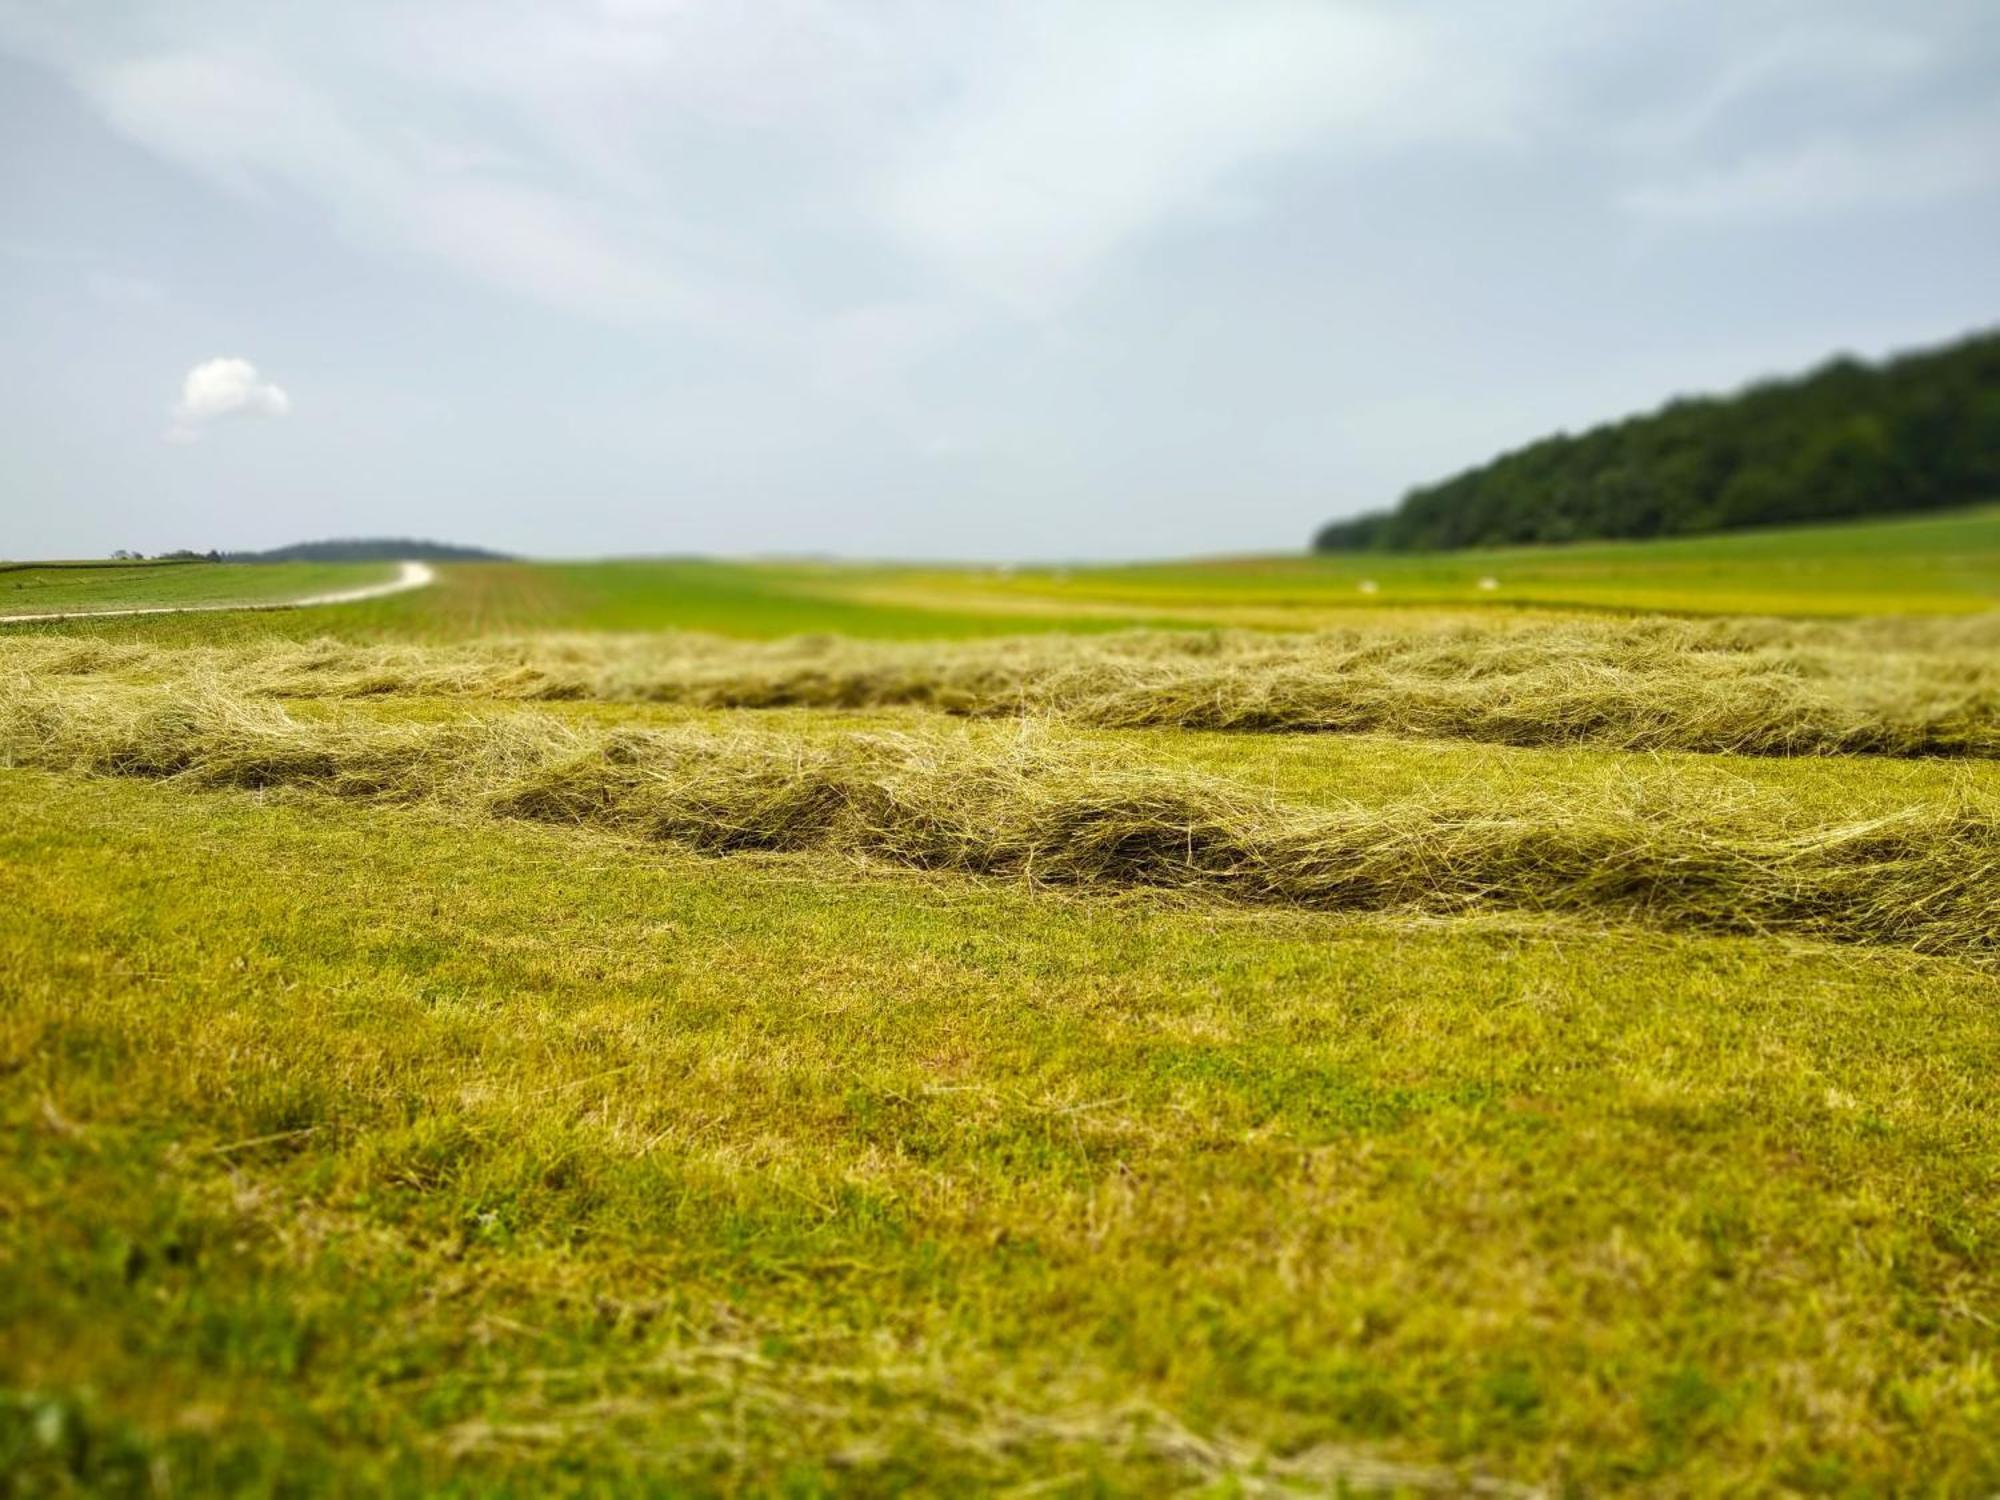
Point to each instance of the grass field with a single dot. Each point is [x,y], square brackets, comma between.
[1933,565]
[78,587]
[1926,564]
[473,1042]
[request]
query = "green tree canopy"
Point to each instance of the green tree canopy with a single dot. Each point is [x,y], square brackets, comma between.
[1915,432]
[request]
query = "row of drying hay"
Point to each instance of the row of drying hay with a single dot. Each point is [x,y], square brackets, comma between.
[1027,809]
[1747,686]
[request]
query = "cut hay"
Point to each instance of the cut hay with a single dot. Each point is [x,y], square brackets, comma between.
[1028,810]
[1756,687]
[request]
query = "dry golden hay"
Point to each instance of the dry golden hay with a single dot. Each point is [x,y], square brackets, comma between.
[1030,809]
[1762,687]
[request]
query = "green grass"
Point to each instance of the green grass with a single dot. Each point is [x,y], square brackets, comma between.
[1933,565]
[743,599]
[1927,564]
[472,601]
[361,1146]
[64,587]
[457,1044]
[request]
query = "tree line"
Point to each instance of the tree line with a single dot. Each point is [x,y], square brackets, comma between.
[345,549]
[370,549]
[1916,432]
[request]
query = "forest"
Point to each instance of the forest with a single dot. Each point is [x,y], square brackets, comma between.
[1920,431]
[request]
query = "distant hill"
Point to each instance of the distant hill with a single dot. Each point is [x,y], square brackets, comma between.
[1917,432]
[370,549]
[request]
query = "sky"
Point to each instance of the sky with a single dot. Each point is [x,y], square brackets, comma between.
[1031,280]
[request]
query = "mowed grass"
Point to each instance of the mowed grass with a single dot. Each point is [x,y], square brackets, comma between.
[1888,687]
[460,1044]
[61,588]
[1050,809]
[367,1149]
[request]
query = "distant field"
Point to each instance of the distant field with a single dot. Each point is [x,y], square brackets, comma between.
[471,600]
[869,1036]
[1933,565]
[61,588]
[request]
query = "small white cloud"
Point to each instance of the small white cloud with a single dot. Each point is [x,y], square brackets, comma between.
[218,388]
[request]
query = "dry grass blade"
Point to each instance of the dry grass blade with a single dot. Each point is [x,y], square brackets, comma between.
[1742,686]
[1929,878]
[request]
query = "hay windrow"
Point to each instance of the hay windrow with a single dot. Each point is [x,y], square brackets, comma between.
[1760,687]
[1031,810]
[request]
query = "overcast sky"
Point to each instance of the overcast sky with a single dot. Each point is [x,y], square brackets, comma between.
[1024,280]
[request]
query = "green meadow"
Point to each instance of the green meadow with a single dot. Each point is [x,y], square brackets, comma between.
[700,1028]
[63,588]
[1928,565]
[1924,564]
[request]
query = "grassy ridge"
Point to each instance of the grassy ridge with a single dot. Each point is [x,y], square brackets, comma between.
[1745,687]
[482,1158]
[1032,809]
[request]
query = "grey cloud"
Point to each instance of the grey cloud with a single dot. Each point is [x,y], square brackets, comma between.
[876,276]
